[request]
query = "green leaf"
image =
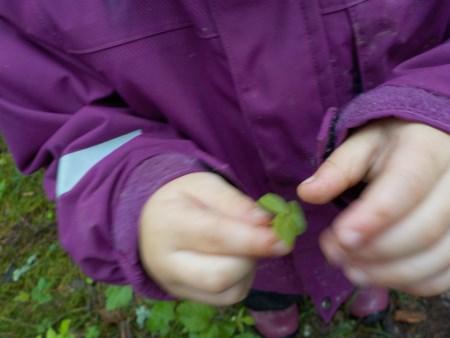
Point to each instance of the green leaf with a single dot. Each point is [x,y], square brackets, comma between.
[248,320]
[64,327]
[297,217]
[92,331]
[22,297]
[51,334]
[226,330]
[212,332]
[50,215]
[52,247]
[118,297]
[195,317]
[44,325]
[282,227]
[142,314]
[162,314]
[289,221]
[41,292]
[273,203]
[219,329]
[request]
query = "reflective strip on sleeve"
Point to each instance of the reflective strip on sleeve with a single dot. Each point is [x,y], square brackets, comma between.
[72,167]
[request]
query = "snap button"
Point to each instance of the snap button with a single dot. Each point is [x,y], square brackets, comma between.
[325,304]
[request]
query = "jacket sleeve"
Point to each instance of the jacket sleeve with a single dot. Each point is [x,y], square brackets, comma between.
[102,159]
[418,91]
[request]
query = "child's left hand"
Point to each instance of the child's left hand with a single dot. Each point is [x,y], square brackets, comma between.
[397,233]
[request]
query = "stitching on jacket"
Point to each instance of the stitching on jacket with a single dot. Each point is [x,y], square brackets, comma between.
[339,7]
[162,30]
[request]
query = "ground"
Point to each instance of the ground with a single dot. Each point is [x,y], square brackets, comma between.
[43,294]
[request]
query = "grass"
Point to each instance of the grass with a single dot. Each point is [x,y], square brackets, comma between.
[28,229]
[40,287]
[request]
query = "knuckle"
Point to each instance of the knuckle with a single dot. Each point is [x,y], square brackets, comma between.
[238,201]
[414,182]
[384,210]
[216,282]
[434,227]
[218,222]
[212,234]
[235,295]
[245,203]
[213,241]
[260,245]
[430,235]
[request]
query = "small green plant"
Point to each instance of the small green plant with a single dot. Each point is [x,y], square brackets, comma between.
[288,221]
[161,318]
[344,329]
[118,297]
[92,331]
[22,297]
[41,292]
[194,320]
[242,320]
[63,331]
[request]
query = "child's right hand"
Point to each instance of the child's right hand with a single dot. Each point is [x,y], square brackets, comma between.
[200,237]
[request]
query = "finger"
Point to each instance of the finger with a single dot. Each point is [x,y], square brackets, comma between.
[333,252]
[421,229]
[209,273]
[216,194]
[233,295]
[403,272]
[206,231]
[345,167]
[406,179]
[430,287]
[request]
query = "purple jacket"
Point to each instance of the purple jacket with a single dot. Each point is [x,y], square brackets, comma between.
[116,98]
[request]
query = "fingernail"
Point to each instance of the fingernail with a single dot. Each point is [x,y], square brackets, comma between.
[309,180]
[258,214]
[350,238]
[281,249]
[357,276]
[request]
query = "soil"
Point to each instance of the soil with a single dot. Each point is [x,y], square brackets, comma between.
[436,321]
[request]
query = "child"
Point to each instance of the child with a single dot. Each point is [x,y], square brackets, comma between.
[160,122]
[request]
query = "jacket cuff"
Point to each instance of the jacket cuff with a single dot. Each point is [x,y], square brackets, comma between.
[406,103]
[148,177]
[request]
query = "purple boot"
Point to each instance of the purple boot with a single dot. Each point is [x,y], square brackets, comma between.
[277,323]
[369,303]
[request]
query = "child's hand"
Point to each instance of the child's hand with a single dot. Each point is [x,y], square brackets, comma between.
[397,234]
[199,238]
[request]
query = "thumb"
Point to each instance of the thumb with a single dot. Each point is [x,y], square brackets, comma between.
[343,169]
[218,195]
